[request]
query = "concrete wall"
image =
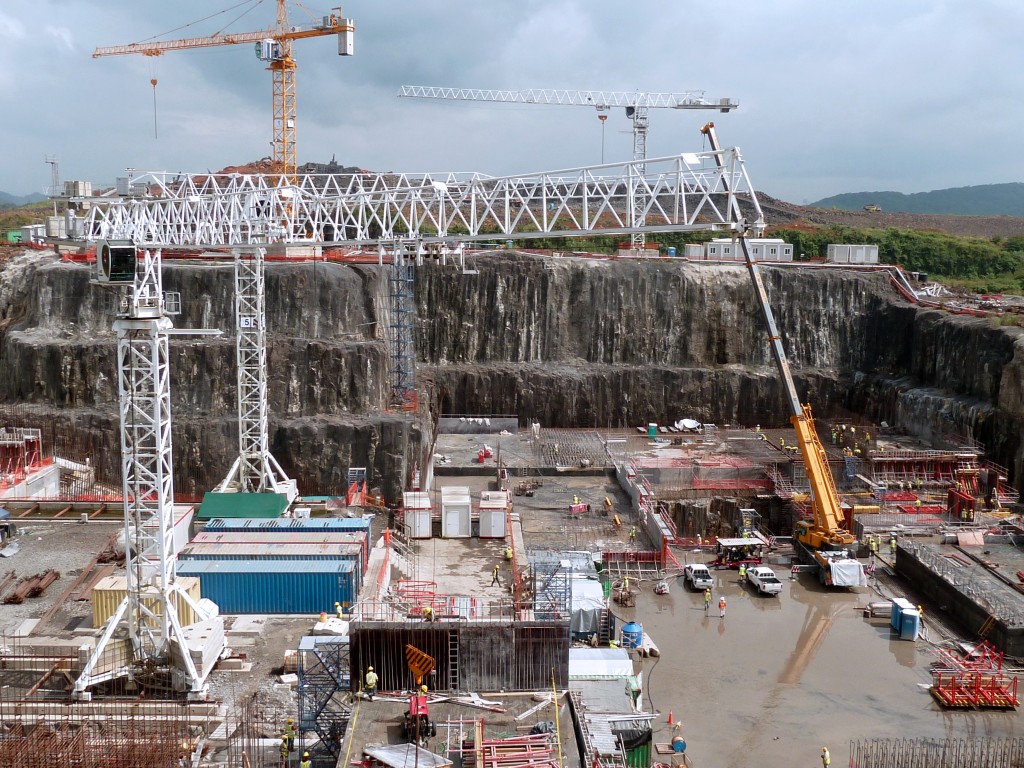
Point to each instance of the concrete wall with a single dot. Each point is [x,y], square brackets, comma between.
[957,605]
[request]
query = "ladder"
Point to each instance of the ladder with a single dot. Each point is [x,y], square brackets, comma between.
[453,660]
[604,626]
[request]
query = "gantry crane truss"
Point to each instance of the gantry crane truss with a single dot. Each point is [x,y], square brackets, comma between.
[148,615]
[401,213]
[636,105]
[274,46]
[688,192]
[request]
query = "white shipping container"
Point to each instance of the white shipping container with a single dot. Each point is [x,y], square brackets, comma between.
[693,251]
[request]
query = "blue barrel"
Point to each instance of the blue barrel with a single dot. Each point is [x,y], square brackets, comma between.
[652,430]
[671,251]
[632,635]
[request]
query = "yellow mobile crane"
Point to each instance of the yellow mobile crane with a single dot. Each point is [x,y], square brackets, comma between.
[822,540]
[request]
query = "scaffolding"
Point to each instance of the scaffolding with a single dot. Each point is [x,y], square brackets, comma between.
[401,326]
[324,682]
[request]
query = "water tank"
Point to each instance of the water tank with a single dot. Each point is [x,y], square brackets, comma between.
[632,635]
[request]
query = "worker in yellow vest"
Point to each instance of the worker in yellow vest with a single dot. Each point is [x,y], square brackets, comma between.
[826,758]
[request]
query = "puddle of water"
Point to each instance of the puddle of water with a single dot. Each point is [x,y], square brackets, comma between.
[779,677]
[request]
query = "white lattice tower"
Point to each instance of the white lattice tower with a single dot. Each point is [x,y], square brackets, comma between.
[148,614]
[255,470]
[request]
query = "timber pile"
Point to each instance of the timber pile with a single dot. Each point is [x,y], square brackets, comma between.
[31,586]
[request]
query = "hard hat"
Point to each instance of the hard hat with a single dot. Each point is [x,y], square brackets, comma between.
[369,669]
[305,754]
[423,688]
[291,720]
[336,603]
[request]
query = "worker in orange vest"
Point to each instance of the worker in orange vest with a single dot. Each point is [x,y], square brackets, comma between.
[721,607]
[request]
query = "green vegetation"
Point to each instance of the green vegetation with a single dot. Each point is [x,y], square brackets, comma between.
[980,266]
[981,200]
[14,218]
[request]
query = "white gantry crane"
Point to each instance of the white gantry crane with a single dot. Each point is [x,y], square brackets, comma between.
[144,633]
[636,105]
[255,470]
[401,214]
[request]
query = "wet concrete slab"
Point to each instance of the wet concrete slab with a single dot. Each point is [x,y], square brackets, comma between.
[779,677]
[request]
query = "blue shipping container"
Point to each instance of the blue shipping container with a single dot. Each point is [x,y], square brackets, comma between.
[267,586]
[319,524]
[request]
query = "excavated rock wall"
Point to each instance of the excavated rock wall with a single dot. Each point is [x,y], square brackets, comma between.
[568,342]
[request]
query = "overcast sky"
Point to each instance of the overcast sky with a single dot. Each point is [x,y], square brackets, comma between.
[835,95]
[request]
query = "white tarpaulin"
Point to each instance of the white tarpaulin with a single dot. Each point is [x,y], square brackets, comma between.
[848,573]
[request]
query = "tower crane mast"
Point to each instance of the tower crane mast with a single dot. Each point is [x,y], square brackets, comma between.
[274,46]
[636,104]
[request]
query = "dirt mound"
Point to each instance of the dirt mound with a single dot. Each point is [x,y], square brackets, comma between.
[780,213]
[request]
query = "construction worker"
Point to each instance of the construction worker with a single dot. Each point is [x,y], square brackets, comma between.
[508,553]
[707,599]
[284,750]
[743,571]
[892,543]
[782,443]
[917,506]
[370,684]
[873,546]
[423,690]
[826,758]
[632,534]
[834,436]
[306,762]
[721,607]
[575,499]
[337,610]
[289,732]
[428,613]
[758,429]
[494,577]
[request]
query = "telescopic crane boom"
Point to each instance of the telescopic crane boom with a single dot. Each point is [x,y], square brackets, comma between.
[274,46]
[824,532]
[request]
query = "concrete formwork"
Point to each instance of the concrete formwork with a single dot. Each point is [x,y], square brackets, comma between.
[968,594]
[468,656]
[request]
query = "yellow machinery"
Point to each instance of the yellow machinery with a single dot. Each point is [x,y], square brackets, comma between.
[274,46]
[823,537]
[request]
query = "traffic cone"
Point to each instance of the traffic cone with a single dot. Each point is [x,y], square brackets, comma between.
[671,720]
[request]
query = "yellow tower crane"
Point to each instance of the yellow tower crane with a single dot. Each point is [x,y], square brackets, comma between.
[274,46]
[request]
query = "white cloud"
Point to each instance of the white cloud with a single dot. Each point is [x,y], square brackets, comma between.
[62,35]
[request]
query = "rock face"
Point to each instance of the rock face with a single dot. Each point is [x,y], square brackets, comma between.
[569,342]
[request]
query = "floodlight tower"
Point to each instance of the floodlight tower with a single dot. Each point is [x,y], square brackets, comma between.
[255,470]
[147,617]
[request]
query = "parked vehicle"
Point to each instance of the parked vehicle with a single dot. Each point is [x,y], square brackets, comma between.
[764,580]
[698,576]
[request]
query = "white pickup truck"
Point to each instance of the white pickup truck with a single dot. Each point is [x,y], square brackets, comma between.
[698,576]
[764,580]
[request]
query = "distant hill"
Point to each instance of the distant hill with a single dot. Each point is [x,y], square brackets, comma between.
[14,201]
[982,200]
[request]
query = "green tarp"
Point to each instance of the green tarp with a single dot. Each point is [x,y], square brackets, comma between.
[242,505]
